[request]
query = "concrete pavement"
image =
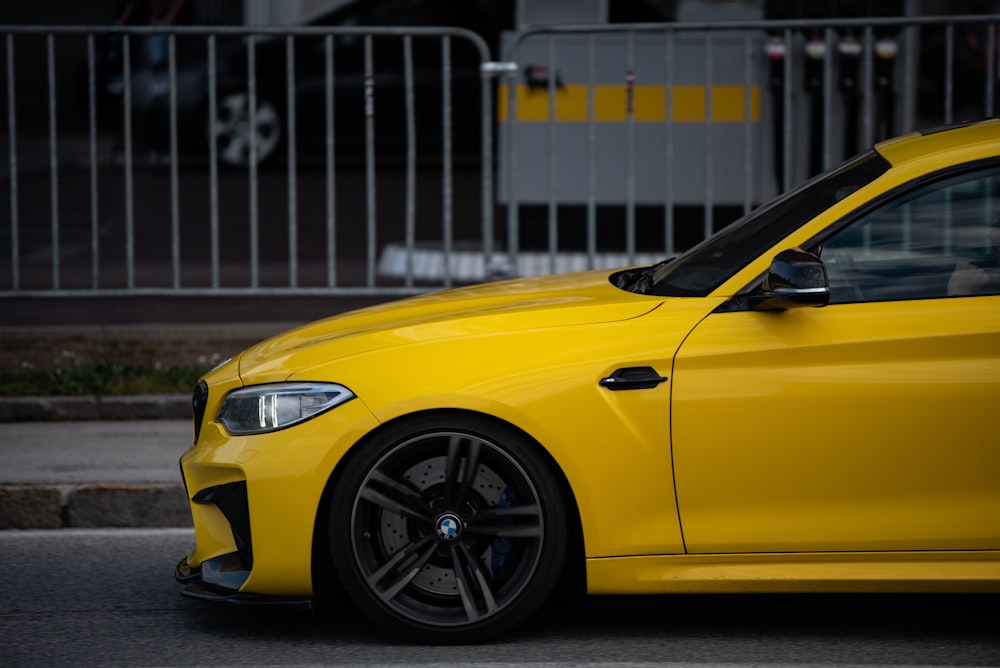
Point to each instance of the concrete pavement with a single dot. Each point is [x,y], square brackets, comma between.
[97,473]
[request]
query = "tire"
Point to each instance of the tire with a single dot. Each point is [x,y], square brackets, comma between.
[231,130]
[434,559]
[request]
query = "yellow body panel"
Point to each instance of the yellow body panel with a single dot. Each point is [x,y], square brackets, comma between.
[285,480]
[613,447]
[954,572]
[833,439]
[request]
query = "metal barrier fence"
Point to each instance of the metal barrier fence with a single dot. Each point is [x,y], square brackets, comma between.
[360,161]
[234,161]
[655,136]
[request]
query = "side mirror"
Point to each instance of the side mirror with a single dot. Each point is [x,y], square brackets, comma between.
[795,279]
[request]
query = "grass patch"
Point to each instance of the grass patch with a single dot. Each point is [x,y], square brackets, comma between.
[101,378]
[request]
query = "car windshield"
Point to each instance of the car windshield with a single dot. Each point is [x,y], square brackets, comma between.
[708,265]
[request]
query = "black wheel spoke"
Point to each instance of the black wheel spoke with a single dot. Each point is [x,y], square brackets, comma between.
[513,522]
[409,506]
[400,486]
[460,469]
[402,491]
[402,559]
[473,588]
[451,466]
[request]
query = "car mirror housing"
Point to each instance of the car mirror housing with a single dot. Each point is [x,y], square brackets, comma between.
[795,279]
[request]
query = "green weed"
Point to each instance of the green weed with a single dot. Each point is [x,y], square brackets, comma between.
[100,379]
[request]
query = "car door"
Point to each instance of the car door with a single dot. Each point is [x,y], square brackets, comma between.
[867,424]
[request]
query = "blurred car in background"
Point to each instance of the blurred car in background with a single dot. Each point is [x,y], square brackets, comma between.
[233,125]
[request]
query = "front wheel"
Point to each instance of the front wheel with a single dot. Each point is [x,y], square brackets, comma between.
[448,529]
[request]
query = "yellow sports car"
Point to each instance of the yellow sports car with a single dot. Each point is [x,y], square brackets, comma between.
[804,402]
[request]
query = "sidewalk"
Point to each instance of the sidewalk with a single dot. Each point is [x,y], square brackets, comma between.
[72,474]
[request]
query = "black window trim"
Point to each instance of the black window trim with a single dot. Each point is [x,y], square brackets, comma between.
[739,301]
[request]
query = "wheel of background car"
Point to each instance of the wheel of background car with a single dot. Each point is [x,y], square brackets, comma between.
[448,529]
[232,129]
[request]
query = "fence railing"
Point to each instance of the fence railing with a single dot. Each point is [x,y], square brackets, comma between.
[224,161]
[360,161]
[650,137]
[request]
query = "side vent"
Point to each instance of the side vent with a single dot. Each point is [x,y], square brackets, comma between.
[199,401]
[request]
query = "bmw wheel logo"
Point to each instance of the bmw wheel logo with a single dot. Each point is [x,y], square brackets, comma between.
[449,527]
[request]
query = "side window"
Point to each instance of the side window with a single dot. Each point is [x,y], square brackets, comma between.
[940,240]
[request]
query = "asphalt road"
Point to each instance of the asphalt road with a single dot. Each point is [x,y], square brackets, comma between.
[107,597]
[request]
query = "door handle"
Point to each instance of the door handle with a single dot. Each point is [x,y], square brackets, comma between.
[633,378]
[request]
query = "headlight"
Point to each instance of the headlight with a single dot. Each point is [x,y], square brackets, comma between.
[263,408]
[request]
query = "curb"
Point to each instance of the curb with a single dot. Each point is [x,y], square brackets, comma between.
[125,407]
[93,506]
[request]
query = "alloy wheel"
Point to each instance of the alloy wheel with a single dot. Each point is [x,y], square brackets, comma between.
[449,533]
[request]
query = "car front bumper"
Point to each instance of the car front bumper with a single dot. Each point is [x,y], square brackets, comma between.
[255,501]
[194,584]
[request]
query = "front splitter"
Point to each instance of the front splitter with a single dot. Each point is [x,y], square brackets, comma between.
[195,587]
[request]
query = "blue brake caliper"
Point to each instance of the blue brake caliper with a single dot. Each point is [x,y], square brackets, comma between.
[502,545]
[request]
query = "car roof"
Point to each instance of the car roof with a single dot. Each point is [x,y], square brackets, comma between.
[981,136]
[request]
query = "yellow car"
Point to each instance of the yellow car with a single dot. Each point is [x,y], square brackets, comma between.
[805,402]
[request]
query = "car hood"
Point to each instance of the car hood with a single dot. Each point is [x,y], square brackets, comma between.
[550,301]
